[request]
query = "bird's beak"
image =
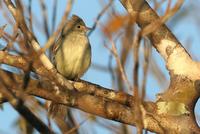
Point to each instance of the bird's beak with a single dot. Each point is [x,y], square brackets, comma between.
[88,29]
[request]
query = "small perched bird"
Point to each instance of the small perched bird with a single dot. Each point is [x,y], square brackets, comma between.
[72,51]
[72,55]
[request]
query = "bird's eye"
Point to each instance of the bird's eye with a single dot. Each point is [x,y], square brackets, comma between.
[78,26]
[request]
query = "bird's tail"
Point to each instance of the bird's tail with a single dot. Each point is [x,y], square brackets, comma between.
[57,110]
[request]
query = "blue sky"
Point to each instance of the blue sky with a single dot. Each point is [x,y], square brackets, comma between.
[184,29]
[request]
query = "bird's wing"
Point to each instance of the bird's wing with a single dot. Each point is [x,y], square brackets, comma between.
[57,45]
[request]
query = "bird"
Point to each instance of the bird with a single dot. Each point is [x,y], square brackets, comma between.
[71,56]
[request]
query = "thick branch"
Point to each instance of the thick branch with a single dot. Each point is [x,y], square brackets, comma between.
[178,61]
[105,102]
[164,40]
[178,102]
[89,103]
[115,105]
[82,86]
[17,103]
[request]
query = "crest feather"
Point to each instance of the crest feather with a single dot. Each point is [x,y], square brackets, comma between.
[72,23]
[76,19]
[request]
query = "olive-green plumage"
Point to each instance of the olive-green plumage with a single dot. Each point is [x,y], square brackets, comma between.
[73,52]
[72,56]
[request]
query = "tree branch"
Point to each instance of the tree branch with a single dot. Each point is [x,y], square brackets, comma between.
[93,104]
[172,112]
[183,92]
[17,103]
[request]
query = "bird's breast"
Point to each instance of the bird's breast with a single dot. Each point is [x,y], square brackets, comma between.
[73,57]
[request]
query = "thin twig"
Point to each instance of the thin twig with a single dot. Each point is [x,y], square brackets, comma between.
[137,99]
[99,16]
[78,126]
[156,24]
[54,16]
[45,18]
[123,74]
[59,79]
[147,52]
[52,39]
[30,15]
[111,69]
[17,103]
[22,25]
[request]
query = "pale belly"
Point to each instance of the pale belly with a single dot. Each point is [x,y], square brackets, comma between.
[73,60]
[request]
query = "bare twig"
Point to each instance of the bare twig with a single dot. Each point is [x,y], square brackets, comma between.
[156,24]
[111,69]
[30,15]
[99,16]
[19,18]
[2,30]
[123,74]
[147,52]
[54,15]
[137,99]
[45,18]
[17,103]
[43,58]
[78,126]
[52,39]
